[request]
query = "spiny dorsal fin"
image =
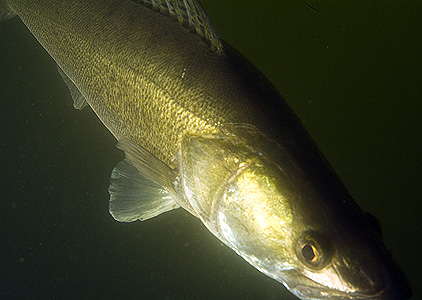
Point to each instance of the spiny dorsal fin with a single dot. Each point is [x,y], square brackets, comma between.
[189,13]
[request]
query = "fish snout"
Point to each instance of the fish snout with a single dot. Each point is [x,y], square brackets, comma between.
[397,286]
[375,277]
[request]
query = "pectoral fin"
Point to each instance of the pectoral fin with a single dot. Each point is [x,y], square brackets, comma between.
[139,186]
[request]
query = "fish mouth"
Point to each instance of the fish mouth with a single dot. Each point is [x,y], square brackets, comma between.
[307,289]
[320,292]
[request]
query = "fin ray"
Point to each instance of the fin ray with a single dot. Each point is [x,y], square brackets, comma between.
[79,101]
[135,197]
[141,185]
[189,13]
[147,164]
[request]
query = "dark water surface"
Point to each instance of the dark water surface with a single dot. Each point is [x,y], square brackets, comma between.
[352,72]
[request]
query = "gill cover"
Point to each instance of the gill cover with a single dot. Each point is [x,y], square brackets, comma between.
[209,161]
[241,195]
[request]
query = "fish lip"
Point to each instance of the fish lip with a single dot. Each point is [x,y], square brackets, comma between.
[320,292]
[395,287]
[311,290]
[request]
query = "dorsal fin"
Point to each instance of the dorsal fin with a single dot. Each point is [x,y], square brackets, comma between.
[190,14]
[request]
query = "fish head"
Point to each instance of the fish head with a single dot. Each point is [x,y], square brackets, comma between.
[325,260]
[333,264]
[269,213]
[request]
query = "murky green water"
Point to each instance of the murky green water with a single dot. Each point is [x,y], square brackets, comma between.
[351,71]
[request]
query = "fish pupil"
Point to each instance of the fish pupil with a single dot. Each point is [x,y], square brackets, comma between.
[308,252]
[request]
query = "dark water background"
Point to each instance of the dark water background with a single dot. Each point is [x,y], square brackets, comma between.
[350,69]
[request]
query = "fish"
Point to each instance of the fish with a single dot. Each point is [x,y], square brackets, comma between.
[202,129]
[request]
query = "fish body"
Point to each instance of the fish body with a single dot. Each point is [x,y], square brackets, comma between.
[202,129]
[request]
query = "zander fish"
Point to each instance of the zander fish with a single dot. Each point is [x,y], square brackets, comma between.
[202,129]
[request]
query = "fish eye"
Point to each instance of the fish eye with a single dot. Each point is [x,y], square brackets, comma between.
[313,250]
[309,252]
